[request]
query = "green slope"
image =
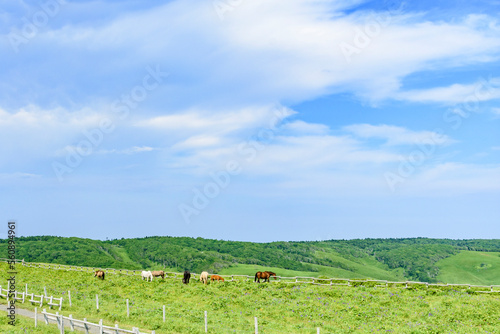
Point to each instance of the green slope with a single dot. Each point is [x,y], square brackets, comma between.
[389,259]
[480,268]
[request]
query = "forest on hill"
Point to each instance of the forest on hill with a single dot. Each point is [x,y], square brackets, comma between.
[415,258]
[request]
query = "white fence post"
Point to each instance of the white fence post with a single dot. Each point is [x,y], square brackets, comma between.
[101,330]
[97,301]
[26,288]
[256,326]
[69,297]
[85,325]
[62,324]
[317,330]
[128,312]
[163,313]
[206,324]
[36,316]
[45,291]
[71,325]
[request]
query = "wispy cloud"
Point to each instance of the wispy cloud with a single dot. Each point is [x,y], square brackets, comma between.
[128,151]
[395,135]
[454,94]
[292,54]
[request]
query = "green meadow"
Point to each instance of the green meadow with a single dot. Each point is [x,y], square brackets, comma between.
[25,325]
[279,307]
[479,268]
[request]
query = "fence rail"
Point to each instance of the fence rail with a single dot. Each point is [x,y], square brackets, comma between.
[34,299]
[60,320]
[283,279]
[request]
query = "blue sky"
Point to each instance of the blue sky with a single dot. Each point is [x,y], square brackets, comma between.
[250,120]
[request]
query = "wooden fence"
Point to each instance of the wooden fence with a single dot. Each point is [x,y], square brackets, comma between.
[34,299]
[87,326]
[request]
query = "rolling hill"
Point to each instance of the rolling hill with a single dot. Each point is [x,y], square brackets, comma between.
[420,259]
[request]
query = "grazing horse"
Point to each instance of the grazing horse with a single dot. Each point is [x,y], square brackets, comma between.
[216,277]
[100,274]
[158,273]
[270,274]
[204,277]
[187,276]
[147,275]
[264,275]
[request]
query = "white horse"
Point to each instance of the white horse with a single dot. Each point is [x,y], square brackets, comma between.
[147,275]
[204,277]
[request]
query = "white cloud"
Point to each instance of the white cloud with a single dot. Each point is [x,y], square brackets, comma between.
[33,133]
[197,142]
[19,175]
[395,135]
[301,127]
[208,121]
[128,151]
[453,178]
[483,90]
[262,52]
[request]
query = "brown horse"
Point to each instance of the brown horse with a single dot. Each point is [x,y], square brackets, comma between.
[264,275]
[158,273]
[99,273]
[216,277]
[271,274]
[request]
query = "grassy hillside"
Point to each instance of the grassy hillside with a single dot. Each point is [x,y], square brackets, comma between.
[391,259]
[74,251]
[280,307]
[471,267]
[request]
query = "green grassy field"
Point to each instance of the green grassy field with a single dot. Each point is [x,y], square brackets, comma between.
[25,325]
[466,267]
[471,267]
[352,268]
[280,307]
[367,271]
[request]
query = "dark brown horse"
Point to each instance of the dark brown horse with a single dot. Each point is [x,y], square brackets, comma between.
[264,275]
[158,273]
[100,274]
[187,276]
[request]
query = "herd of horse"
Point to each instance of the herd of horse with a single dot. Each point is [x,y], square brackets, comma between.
[148,276]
